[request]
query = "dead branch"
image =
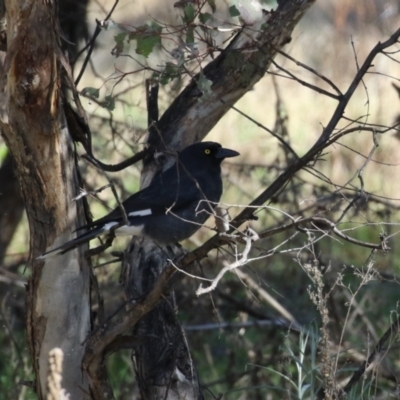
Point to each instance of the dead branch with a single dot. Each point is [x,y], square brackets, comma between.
[249,237]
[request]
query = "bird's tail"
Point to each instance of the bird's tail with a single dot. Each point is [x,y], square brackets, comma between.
[72,244]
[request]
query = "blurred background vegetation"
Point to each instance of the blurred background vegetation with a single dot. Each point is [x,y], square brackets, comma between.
[261,334]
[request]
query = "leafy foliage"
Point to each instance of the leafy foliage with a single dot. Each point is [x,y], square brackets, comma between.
[147,38]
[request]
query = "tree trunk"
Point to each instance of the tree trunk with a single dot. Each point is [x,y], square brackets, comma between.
[163,364]
[58,302]
[164,367]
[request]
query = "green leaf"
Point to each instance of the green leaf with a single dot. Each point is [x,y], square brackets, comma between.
[171,72]
[204,17]
[233,11]
[119,44]
[145,46]
[188,14]
[119,39]
[164,79]
[171,69]
[109,103]
[190,35]
[90,92]
[147,36]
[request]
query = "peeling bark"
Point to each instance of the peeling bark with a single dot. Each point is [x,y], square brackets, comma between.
[37,136]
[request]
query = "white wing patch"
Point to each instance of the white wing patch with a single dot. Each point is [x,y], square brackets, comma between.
[131,230]
[140,213]
[107,227]
[125,230]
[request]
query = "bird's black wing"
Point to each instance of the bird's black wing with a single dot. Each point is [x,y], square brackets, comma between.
[173,194]
[169,190]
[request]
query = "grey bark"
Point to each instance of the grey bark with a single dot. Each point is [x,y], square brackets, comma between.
[164,367]
[72,17]
[58,312]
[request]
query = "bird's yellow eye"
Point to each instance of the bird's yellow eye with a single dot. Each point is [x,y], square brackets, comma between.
[207,151]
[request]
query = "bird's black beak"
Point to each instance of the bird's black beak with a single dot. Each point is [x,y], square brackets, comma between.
[226,153]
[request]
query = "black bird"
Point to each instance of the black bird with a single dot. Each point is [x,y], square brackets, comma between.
[173,207]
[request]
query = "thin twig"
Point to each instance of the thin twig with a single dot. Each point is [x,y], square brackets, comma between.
[251,283]
[114,191]
[249,237]
[116,167]
[92,42]
[283,142]
[304,83]
[312,70]
[231,325]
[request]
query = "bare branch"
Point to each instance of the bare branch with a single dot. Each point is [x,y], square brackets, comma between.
[249,237]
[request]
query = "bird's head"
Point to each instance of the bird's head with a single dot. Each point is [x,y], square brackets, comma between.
[200,155]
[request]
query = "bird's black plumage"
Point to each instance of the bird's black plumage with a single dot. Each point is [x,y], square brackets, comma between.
[173,207]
